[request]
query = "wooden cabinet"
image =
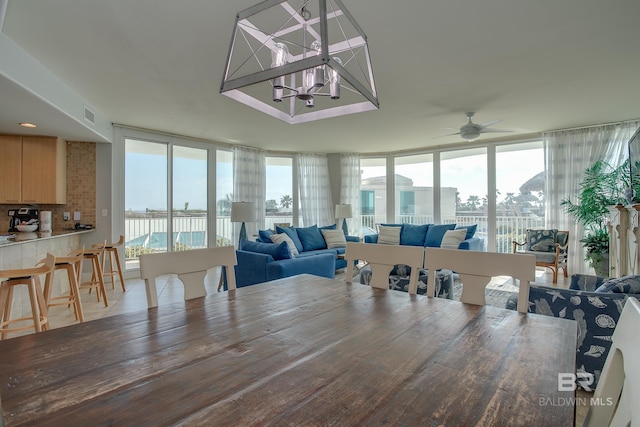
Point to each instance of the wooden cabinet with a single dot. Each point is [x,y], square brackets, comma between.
[33,170]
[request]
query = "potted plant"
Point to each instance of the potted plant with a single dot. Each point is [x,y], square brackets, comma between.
[603,185]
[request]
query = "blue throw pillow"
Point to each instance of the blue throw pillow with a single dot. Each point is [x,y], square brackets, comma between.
[277,251]
[311,238]
[621,285]
[435,233]
[293,235]
[471,230]
[328,227]
[265,235]
[413,235]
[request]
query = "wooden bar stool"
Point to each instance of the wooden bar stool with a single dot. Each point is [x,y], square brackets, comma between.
[29,277]
[115,268]
[94,255]
[72,264]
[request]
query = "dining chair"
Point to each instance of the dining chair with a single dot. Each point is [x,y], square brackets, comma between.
[382,259]
[476,269]
[618,390]
[191,268]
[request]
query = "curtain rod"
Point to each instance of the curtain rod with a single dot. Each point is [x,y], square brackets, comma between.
[592,126]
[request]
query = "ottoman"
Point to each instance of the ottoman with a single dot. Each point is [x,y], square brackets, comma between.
[399,280]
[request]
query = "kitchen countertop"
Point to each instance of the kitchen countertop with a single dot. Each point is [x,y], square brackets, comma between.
[24,237]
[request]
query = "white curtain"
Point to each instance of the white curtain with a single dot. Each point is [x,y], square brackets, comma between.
[249,185]
[315,190]
[567,154]
[350,189]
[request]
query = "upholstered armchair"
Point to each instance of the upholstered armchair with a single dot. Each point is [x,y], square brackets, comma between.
[550,248]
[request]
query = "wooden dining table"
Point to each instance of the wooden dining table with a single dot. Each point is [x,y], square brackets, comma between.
[299,351]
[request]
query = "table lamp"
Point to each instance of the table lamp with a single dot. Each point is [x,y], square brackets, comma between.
[343,212]
[243,212]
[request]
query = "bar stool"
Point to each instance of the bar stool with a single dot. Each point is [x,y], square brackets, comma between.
[111,251]
[29,277]
[94,255]
[72,264]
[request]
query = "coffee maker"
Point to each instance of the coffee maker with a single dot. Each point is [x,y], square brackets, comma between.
[17,216]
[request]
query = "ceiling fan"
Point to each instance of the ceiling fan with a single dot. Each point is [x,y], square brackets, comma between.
[471,131]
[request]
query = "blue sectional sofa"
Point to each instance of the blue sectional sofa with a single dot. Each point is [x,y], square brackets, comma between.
[430,235]
[262,262]
[592,301]
[309,242]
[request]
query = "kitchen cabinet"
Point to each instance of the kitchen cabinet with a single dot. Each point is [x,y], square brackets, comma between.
[34,169]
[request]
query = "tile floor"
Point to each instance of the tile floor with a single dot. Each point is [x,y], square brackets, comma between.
[170,291]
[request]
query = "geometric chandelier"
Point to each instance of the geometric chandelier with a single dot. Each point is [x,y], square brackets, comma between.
[299,61]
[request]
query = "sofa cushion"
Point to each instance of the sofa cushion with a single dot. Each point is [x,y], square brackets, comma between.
[413,235]
[277,251]
[621,285]
[311,238]
[334,238]
[435,233]
[265,235]
[328,227]
[282,237]
[471,230]
[293,235]
[389,235]
[453,238]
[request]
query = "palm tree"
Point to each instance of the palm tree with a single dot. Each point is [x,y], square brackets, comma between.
[286,201]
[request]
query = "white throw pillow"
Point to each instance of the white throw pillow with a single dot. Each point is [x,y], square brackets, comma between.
[453,238]
[281,237]
[334,238]
[389,235]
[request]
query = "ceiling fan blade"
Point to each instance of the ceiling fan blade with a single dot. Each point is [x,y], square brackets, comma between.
[492,122]
[458,129]
[442,136]
[488,130]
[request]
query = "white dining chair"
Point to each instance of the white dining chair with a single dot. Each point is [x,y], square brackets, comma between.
[618,390]
[382,259]
[476,269]
[191,267]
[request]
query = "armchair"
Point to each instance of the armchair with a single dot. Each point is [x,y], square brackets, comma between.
[550,248]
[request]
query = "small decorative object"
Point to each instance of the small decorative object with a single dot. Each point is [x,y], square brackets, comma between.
[629,195]
[243,212]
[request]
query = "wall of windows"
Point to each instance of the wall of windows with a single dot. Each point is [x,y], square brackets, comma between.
[280,201]
[498,187]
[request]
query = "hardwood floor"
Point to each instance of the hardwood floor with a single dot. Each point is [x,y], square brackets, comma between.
[170,291]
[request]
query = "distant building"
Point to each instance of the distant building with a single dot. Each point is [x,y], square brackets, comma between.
[411,201]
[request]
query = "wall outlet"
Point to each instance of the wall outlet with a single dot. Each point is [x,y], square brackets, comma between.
[105,212]
[66,216]
[76,216]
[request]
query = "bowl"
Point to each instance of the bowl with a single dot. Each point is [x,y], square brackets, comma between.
[27,227]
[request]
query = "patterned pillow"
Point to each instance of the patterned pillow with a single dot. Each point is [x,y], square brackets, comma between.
[281,237]
[621,285]
[334,238]
[389,235]
[453,238]
[541,240]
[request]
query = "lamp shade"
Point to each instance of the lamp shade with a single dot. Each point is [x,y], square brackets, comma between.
[343,211]
[243,212]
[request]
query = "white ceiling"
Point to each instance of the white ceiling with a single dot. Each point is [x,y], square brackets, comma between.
[157,64]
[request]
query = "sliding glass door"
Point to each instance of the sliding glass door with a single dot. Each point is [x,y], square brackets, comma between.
[166,198]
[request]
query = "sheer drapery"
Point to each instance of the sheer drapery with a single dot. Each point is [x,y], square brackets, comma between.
[249,184]
[315,190]
[567,154]
[350,188]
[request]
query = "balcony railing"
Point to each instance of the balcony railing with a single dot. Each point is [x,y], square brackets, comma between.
[144,235]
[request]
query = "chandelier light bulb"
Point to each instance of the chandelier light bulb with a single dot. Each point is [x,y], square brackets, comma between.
[279,54]
[334,81]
